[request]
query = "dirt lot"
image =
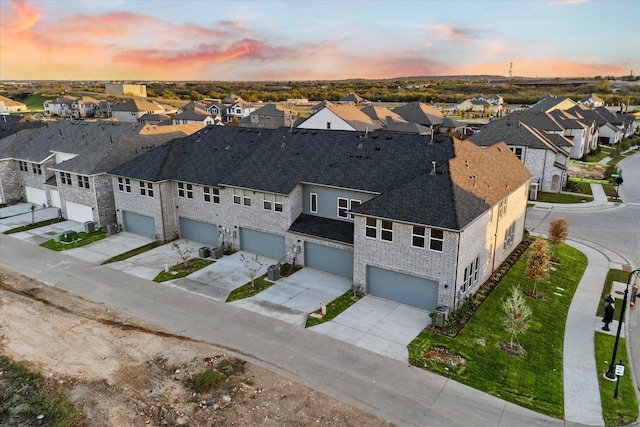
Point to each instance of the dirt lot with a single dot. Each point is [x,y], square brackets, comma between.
[123,372]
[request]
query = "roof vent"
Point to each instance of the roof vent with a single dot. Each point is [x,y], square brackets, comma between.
[466,163]
[433,167]
[284,141]
[473,178]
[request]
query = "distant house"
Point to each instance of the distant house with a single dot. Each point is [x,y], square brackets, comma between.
[341,117]
[193,112]
[133,109]
[382,114]
[591,101]
[270,116]
[237,111]
[60,106]
[11,106]
[117,89]
[551,102]
[352,99]
[421,113]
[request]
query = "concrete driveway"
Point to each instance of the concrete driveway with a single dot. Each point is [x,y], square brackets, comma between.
[102,250]
[379,325]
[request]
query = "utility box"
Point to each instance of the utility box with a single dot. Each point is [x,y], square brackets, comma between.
[442,314]
[204,252]
[69,236]
[273,272]
[89,227]
[112,229]
[216,253]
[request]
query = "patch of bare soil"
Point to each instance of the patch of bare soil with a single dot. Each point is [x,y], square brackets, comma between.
[514,349]
[442,355]
[586,171]
[123,372]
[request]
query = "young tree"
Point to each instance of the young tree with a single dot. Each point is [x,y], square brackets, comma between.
[251,267]
[537,265]
[558,232]
[517,314]
[183,253]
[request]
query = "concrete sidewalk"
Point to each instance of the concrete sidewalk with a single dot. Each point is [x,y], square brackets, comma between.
[600,202]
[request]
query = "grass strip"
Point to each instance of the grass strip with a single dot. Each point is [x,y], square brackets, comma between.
[34,225]
[562,198]
[334,308]
[183,269]
[82,240]
[246,291]
[624,409]
[134,252]
[534,381]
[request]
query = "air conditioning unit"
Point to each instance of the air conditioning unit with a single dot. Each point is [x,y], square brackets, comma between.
[112,229]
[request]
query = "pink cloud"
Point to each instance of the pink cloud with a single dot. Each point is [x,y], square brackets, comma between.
[24,17]
[451,33]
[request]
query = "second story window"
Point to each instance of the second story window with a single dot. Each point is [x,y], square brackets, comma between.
[313,203]
[185,190]
[23,166]
[272,202]
[210,194]
[518,152]
[345,205]
[371,228]
[124,184]
[65,178]
[386,230]
[146,189]
[36,168]
[502,209]
[83,181]
[418,236]
[378,227]
[241,197]
[436,239]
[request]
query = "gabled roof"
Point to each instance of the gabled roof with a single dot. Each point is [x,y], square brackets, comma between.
[591,99]
[397,167]
[194,114]
[518,134]
[381,113]
[550,102]
[137,105]
[352,97]
[403,126]
[567,120]
[65,99]
[320,105]
[8,102]
[274,110]
[421,113]
[351,115]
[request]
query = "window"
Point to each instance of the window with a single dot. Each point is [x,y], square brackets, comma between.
[211,194]
[470,275]
[146,189]
[65,177]
[386,230]
[418,236]
[518,152]
[185,190]
[313,203]
[345,205]
[83,181]
[502,209]
[124,184]
[272,202]
[436,239]
[36,168]
[371,228]
[241,197]
[509,236]
[354,204]
[23,166]
[328,125]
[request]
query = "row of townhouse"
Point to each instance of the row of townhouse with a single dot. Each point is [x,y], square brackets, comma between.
[545,137]
[64,164]
[77,107]
[411,218]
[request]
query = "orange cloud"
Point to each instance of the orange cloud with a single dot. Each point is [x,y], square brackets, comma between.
[24,17]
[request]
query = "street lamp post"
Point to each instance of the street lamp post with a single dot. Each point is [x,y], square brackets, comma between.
[611,373]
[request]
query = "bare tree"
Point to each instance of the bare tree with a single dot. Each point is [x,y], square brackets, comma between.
[251,266]
[517,315]
[183,253]
[537,265]
[558,232]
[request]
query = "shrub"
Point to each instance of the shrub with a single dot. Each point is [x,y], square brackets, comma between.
[207,380]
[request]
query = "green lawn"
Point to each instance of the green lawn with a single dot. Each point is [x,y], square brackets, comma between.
[183,269]
[34,225]
[624,410]
[35,102]
[334,308]
[533,381]
[83,239]
[134,252]
[612,276]
[562,198]
[246,291]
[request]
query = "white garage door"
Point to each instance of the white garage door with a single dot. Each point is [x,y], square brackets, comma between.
[36,196]
[78,212]
[55,199]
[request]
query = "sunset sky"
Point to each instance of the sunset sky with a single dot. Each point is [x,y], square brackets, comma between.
[312,40]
